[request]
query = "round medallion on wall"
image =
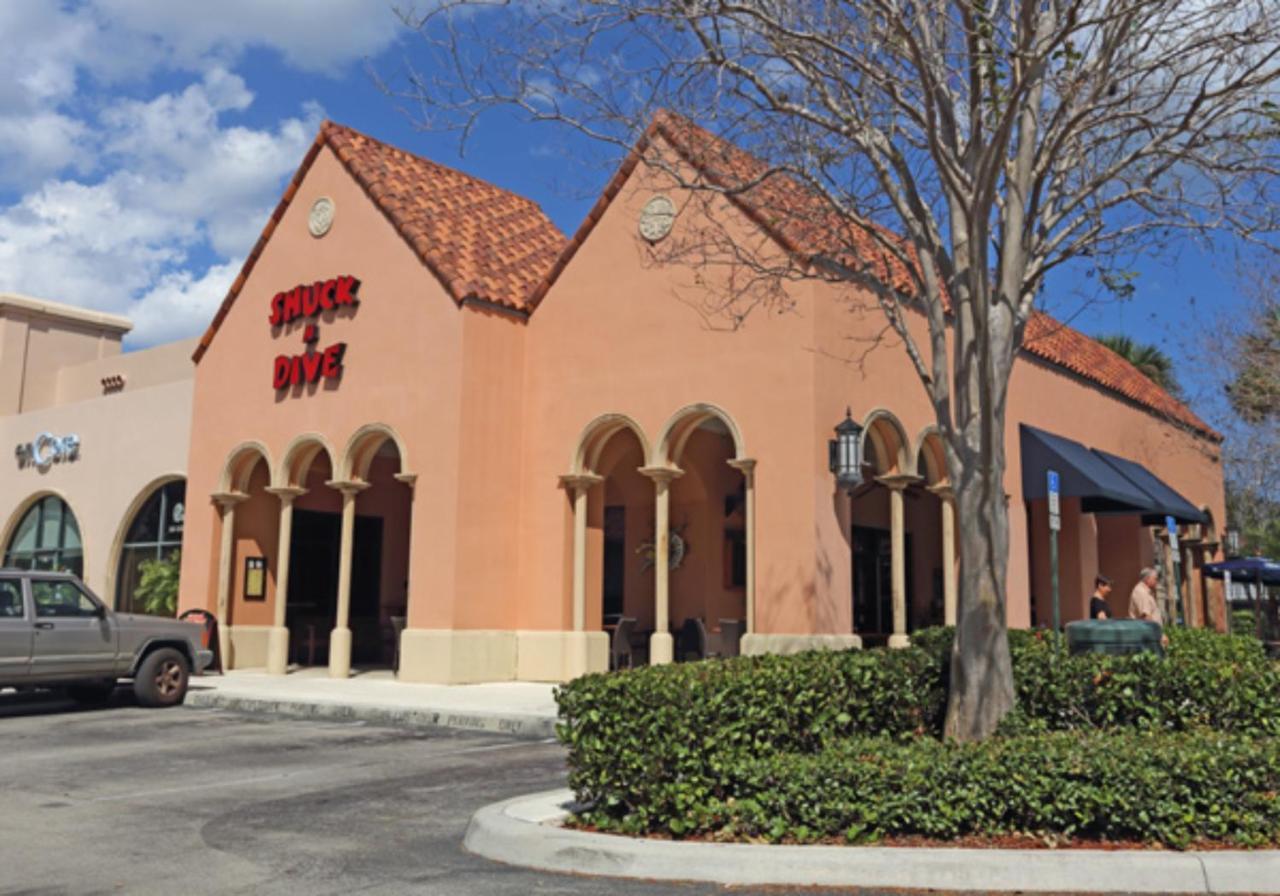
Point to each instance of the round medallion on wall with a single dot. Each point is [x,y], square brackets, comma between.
[656,218]
[321,217]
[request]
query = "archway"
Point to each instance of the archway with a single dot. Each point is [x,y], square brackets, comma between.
[247,567]
[151,532]
[45,535]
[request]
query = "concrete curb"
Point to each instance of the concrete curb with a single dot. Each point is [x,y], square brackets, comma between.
[526,831]
[524,726]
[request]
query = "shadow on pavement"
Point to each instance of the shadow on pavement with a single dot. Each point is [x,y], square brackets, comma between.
[42,702]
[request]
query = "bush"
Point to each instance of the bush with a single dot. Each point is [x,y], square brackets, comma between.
[1175,790]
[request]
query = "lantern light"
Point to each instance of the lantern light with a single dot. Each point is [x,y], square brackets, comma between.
[845,452]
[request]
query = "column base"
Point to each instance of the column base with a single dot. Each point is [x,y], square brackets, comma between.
[248,646]
[277,650]
[757,644]
[457,656]
[340,653]
[662,648]
[896,642]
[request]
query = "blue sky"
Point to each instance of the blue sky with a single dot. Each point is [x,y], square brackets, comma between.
[143,145]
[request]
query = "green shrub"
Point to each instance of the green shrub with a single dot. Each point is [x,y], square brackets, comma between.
[1175,790]
[1243,622]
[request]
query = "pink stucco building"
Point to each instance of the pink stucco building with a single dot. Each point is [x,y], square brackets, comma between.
[464,469]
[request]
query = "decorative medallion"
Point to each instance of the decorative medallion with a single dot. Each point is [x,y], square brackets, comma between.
[656,218]
[321,217]
[677,547]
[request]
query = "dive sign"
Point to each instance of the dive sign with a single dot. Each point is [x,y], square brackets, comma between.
[309,301]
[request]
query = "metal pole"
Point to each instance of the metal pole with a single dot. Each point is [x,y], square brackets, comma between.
[1053,578]
[1177,585]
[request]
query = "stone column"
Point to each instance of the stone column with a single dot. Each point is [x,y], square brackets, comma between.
[340,639]
[747,466]
[661,645]
[898,559]
[949,598]
[278,637]
[579,484]
[226,502]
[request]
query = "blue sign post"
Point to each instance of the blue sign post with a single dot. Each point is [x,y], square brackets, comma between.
[1055,523]
[1179,611]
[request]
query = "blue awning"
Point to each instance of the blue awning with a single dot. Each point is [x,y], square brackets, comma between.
[1104,483]
[1246,569]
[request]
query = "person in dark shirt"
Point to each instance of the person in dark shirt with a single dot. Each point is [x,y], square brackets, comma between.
[1098,606]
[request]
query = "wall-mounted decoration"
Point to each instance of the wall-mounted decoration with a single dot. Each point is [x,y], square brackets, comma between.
[255,578]
[46,449]
[656,218]
[320,219]
[677,547]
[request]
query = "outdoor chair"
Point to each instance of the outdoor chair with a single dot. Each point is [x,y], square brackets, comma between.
[691,643]
[620,644]
[397,627]
[731,632]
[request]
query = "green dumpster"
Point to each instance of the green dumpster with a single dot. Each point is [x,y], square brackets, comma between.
[1118,637]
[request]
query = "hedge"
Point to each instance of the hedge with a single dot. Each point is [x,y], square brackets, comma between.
[656,743]
[1172,789]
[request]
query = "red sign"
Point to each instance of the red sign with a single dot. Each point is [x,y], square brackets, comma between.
[310,301]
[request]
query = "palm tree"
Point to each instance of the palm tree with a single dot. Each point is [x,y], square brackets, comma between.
[1150,360]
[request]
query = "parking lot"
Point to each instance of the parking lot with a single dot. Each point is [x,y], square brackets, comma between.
[128,800]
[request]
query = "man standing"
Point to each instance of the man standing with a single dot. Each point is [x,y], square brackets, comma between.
[1142,602]
[1098,606]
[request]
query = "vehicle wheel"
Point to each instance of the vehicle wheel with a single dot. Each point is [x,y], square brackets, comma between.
[162,678]
[92,694]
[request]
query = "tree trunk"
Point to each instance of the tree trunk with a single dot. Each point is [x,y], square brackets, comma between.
[981,671]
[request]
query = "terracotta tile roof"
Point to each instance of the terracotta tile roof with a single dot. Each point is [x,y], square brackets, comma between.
[803,223]
[480,241]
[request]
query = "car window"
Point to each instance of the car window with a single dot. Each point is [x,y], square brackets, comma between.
[61,599]
[11,599]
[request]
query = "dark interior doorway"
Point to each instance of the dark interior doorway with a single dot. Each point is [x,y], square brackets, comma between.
[873,584]
[313,587]
[615,561]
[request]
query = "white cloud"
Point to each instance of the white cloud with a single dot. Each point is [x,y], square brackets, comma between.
[180,304]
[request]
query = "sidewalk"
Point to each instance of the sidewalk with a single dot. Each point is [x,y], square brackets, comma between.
[515,708]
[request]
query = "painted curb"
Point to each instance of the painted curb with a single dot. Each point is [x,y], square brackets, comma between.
[526,831]
[519,725]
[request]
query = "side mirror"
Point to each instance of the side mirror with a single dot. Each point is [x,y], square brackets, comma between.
[99,611]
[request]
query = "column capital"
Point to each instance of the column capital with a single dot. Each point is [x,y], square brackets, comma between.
[407,479]
[228,499]
[944,491]
[898,481]
[745,465]
[661,474]
[348,486]
[579,482]
[286,493]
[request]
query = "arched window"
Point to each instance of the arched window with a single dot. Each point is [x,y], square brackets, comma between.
[47,537]
[155,533]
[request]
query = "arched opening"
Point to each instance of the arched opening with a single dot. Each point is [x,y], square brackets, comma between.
[374,471]
[46,536]
[314,536]
[147,559]
[254,567]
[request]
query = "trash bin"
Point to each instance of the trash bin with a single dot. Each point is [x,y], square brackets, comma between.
[1118,637]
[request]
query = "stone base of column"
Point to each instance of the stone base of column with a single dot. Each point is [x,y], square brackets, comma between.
[662,648]
[277,650]
[899,641]
[340,653]
[757,644]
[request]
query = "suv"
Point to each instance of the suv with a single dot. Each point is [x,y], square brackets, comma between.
[55,633]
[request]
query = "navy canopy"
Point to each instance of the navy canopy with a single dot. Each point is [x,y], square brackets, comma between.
[1246,569]
[1104,483]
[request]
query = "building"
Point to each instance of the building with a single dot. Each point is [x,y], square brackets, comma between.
[430,431]
[99,440]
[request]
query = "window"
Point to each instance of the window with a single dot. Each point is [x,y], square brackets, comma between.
[61,599]
[47,537]
[155,533]
[11,599]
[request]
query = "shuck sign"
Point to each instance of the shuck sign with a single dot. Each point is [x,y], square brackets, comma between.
[309,301]
[46,449]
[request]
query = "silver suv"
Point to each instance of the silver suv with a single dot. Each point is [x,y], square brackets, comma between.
[55,633]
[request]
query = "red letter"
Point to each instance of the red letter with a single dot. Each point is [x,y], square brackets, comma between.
[347,287]
[292,304]
[295,371]
[277,309]
[333,360]
[280,373]
[311,366]
[325,291]
[310,301]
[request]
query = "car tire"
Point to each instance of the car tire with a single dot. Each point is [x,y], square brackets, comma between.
[162,678]
[92,693]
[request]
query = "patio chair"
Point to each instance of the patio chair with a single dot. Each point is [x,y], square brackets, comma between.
[397,627]
[620,644]
[731,632]
[691,643]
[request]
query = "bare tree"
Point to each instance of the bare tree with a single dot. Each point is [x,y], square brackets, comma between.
[945,155]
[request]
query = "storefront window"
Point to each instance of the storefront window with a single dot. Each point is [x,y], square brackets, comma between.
[47,537]
[155,534]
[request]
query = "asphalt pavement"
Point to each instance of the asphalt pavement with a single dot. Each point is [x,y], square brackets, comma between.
[185,801]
